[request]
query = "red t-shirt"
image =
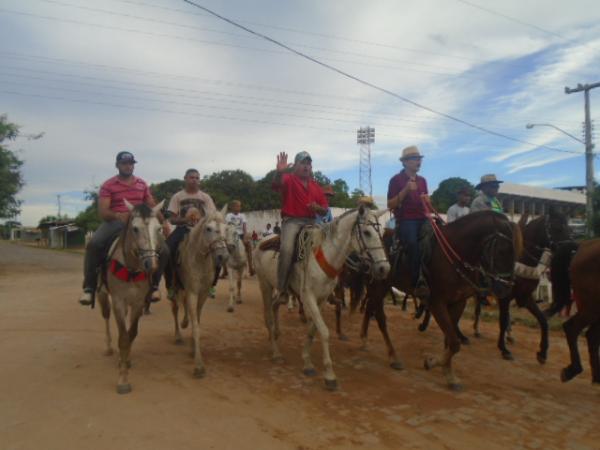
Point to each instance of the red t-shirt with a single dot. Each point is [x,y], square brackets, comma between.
[411,207]
[115,189]
[296,197]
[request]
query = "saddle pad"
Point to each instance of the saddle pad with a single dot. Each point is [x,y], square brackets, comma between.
[273,243]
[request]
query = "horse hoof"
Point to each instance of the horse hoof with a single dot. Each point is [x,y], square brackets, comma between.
[422,327]
[508,356]
[568,373]
[230,309]
[397,365]
[510,340]
[455,387]
[310,372]
[178,341]
[541,358]
[343,337]
[108,352]
[331,385]
[477,334]
[123,388]
[199,372]
[429,363]
[465,341]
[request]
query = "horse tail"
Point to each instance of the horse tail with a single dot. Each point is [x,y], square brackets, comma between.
[560,277]
[517,237]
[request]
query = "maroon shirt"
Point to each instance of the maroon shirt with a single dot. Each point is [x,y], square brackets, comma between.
[412,207]
[296,197]
[136,193]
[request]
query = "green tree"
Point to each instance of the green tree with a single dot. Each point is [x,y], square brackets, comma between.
[445,195]
[229,185]
[11,179]
[264,196]
[89,219]
[165,190]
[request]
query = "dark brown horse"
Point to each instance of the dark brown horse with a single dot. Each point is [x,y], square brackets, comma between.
[583,271]
[544,232]
[488,245]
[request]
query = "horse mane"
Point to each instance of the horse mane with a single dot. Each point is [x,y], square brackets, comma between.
[143,210]
[517,237]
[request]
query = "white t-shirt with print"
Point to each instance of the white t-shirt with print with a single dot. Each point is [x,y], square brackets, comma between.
[237,219]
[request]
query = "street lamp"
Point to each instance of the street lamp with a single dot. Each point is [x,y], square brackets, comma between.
[589,192]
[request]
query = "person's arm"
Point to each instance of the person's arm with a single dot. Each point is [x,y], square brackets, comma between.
[107,214]
[281,166]
[396,200]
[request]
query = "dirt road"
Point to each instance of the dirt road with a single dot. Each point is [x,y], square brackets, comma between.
[57,389]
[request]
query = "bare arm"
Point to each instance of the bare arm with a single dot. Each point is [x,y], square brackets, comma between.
[281,167]
[105,212]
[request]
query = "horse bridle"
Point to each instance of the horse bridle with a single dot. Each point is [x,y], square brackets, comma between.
[489,248]
[365,258]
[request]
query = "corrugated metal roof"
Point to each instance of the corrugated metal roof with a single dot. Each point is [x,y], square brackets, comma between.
[558,195]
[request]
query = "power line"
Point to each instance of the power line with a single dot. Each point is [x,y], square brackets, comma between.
[366,83]
[226,44]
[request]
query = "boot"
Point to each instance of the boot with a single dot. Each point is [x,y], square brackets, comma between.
[87,297]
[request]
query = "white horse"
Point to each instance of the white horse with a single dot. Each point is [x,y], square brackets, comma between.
[235,264]
[133,260]
[201,251]
[313,278]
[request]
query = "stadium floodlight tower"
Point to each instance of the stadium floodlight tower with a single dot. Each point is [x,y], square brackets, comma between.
[365,136]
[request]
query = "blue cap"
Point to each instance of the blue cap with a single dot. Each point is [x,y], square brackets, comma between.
[301,156]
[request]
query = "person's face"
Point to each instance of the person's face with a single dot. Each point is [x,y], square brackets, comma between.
[490,189]
[192,180]
[412,163]
[236,207]
[464,199]
[303,169]
[125,168]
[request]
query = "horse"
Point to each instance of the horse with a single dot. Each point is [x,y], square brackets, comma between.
[201,251]
[127,279]
[235,263]
[324,249]
[540,236]
[480,246]
[583,279]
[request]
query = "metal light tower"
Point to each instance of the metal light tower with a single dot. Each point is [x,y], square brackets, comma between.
[365,137]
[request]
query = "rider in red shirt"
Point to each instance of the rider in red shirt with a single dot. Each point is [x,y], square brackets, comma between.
[302,199]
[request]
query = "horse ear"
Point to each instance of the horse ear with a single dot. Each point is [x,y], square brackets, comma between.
[129,205]
[224,210]
[379,212]
[361,210]
[158,207]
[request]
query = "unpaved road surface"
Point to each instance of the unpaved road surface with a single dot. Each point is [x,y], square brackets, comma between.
[57,389]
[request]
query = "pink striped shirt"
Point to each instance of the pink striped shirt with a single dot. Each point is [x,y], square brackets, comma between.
[115,189]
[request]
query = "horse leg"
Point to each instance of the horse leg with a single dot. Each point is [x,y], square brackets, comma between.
[404,300]
[364,330]
[463,339]
[192,303]
[301,312]
[446,317]
[309,368]
[533,308]
[231,289]
[593,340]
[102,297]
[175,311]
[238,297]
[426,319]
[120,313]
[504,318]
[338,301]
[317,319]
[395,363]
[477,319]
[573,328]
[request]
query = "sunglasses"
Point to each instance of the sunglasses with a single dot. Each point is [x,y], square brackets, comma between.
[413,158]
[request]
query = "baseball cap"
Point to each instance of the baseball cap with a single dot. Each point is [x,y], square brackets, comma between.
[301,156]
[126,157]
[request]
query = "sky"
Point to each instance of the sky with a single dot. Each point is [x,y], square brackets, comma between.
[180,88]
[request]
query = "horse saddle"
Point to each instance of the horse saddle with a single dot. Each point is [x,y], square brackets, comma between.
[301,242]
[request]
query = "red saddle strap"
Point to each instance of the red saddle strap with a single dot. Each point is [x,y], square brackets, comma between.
[329,270]
[124,274]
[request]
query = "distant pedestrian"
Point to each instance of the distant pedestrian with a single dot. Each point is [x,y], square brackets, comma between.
[461,207]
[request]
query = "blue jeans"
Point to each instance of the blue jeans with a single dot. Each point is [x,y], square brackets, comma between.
[290,227]
[408,231]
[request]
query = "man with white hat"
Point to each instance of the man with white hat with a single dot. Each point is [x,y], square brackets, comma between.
[487,200]
[406,193]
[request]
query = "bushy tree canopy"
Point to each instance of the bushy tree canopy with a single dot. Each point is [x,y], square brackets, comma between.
[11,179]
[445,195]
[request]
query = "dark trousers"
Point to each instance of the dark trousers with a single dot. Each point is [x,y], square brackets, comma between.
[408,232]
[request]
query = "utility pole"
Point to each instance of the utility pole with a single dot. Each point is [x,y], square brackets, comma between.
[58,200]
[365,137]
[589,155]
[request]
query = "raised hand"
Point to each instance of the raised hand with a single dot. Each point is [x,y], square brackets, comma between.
[282,162]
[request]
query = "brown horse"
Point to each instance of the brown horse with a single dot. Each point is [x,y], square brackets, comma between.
[544,232]
[488,245]
[583,272]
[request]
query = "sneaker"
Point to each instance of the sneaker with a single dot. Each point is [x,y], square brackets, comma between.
[155,296]
[212,292]
[86,298]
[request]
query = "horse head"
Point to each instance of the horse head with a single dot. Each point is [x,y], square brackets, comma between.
[143,237]
[367,243]
[213,229]
[557,228]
